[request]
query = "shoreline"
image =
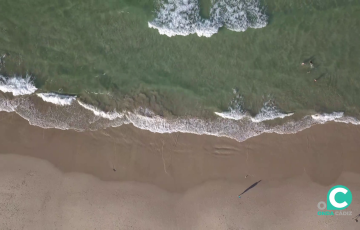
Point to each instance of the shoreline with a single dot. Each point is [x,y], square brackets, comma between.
[254,156]
[138,179]
[65,112]
[49,110]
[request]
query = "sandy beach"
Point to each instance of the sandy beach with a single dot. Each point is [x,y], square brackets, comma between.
[179,115]
[127,178]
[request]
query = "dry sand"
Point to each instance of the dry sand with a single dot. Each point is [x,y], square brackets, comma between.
[126,178]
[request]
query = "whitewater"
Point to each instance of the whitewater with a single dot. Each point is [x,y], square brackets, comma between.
[17,85]
[67,112]
[57,99]
[182,17]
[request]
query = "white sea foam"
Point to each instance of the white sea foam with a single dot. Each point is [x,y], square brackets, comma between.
[17,85]
[232,114]
[238,15]
[98,112]
[72,116]
[80,116]
[220,128]
[182,17]
[7,105]
[348,120]
[57,99]
[326,117]
[239,130]
[336,117]
[269,112]
[235,110]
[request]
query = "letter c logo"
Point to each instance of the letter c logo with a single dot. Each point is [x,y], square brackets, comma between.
[332,198]
[339,197]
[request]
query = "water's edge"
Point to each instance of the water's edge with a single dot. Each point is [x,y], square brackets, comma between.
[51,110]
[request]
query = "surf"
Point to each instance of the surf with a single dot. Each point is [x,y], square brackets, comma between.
[182,17]
[68,112]
[17,85]
[81,117]
[57,99]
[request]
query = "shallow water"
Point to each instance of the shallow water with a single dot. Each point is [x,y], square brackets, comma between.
[106,54]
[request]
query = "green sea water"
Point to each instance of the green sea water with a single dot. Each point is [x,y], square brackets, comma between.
[105,52]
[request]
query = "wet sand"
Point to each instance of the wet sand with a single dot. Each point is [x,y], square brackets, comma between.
[126,178]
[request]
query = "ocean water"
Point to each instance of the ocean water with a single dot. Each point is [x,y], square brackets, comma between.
[219,67]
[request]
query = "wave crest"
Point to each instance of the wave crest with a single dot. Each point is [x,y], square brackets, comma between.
[57,99]
[80,116]
[269,112]
[236,112]
[182,17]
[238,15]
[98,112]
[17,85]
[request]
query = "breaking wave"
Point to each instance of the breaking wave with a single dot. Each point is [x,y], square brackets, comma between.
[232,114]
[269,112]
[335,116]
[17,85]
[57,99]
[182,17]
[80,116]
[74,114]
[98,112]
[236,112]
